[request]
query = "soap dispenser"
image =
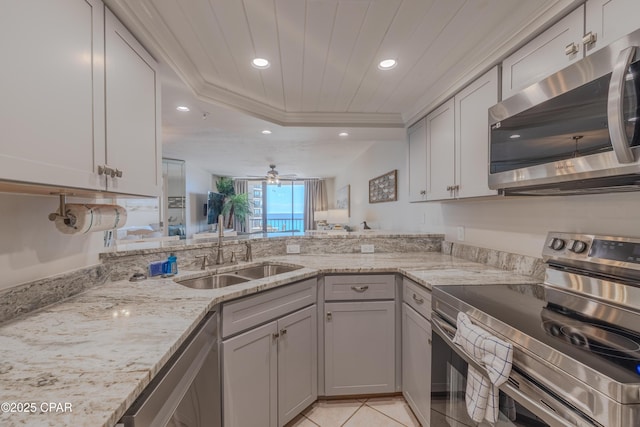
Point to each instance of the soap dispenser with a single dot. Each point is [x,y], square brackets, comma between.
[173,263]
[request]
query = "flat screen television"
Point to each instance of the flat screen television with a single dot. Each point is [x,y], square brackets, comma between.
[214,206]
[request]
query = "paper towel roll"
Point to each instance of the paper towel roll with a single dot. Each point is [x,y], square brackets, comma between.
[84,218]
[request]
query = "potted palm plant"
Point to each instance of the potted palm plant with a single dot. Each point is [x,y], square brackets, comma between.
[235,205]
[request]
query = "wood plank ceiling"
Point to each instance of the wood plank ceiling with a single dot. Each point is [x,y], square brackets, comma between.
[324,53]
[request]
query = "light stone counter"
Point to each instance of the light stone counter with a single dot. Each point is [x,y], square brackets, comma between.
[98,350]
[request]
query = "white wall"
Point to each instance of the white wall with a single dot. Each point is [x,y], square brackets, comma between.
[199,183]
[517,225]
[395,216]
[32,248]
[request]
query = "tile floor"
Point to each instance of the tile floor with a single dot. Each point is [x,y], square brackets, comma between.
[390,411]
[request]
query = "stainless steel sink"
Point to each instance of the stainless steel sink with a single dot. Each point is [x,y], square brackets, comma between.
[213,282]
[239,275]
[264,270]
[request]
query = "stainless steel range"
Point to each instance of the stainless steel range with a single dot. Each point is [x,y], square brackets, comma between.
[576,338]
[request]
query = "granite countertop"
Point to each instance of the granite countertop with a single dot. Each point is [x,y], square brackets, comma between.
[83,361]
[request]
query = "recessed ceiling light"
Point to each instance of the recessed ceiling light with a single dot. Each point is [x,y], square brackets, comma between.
[343,134]
[260,63]
[387,64]
[514,136]
[266,132]
[182,108]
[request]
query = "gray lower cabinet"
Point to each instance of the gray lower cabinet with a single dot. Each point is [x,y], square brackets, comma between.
[416,349]
[270,372]
[359,347]
[416,363]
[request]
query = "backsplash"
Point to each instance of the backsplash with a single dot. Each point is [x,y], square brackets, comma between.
[521,264]
[34,295]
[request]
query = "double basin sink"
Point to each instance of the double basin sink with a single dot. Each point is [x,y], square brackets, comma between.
[240,275]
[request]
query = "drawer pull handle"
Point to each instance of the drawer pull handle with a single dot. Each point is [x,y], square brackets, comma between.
[571,49]
[283,331]
[329,316]
[360,288]
[418,300]
[276,335]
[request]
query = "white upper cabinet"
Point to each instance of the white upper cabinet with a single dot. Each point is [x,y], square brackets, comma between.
[417,162]
[58,126]
[441,152]
[458,142]
[608,20]
[132,113]
[551,51]
[590,27]
[51,81]
[472,136]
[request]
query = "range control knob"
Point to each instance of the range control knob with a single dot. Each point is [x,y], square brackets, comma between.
[578,246]
[557,244]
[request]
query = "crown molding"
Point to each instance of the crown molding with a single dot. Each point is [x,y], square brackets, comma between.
[153,33]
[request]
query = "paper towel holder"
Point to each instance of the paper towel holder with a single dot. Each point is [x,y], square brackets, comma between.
[63,209]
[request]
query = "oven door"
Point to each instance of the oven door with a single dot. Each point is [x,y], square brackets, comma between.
[522,402]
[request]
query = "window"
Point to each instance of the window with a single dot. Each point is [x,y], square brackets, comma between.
[277,207]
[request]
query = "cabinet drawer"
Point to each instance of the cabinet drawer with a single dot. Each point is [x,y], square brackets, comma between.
[417,297]
[359,287]
[257,309]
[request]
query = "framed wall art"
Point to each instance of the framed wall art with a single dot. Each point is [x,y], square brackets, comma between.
[343,196]
[384,188]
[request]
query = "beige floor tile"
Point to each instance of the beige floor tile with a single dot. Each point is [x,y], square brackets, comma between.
[301,421]
[396,408]
[369,417]
[332,413]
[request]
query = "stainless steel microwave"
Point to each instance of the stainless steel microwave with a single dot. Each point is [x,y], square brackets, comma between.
[575,132]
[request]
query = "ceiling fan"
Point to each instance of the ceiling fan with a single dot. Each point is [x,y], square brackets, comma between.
[273,176]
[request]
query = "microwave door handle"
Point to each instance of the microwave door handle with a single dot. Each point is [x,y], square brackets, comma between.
[615,106]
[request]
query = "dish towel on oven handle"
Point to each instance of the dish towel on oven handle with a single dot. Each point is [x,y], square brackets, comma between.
[492,353]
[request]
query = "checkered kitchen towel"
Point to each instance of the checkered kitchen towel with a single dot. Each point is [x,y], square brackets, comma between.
[495,356]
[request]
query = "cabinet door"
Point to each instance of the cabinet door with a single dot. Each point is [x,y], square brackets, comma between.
[297,363]
[250,388]
[544,55]
[50,75]
[418,162]
[416,363]
[472,135]
[359,347]
[608,20]
[132,113]
[441,152]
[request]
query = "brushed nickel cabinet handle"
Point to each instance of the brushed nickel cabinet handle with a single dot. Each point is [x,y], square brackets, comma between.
[276,335]
[571,48]
[418,300]
[360,288]
[590,38]
[329,316]
[283,331]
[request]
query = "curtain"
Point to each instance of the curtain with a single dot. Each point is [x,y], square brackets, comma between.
[315,199]
[240,186]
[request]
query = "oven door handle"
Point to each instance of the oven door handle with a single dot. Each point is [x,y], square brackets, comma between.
[518,387]
[446,332]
